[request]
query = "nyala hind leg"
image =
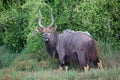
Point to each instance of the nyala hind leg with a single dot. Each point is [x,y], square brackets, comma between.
[100,64]
[86,68]
[83,61]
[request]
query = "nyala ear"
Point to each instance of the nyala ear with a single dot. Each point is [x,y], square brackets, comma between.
[53,28]
[40,29]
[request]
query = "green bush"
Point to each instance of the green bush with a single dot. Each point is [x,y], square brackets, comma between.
[92,16]
[100,18]
[13,32]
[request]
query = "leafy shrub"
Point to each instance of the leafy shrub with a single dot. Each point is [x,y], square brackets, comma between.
[100,18]
[13,29]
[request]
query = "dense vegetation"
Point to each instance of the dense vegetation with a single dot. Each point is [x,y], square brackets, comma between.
[22,49]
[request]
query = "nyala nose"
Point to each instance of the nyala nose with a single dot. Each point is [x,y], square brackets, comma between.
[46,37]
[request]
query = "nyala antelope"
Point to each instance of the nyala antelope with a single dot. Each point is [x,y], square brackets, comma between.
[70,46]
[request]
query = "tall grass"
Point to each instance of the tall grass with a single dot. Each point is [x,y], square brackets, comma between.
[6,57]
[93,74]
[38,60]
[109,53]
[37,65]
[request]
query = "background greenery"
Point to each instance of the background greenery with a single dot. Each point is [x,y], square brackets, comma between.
[22,49]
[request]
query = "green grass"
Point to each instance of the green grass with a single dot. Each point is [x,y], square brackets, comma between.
[35,66]
[93,74]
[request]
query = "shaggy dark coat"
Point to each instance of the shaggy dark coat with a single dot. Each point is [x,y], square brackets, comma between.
[71,46]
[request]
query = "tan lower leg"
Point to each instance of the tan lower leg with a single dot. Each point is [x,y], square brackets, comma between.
[86,68]
[60,68]
[100,64]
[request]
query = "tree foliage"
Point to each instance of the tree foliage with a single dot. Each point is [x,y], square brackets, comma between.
[101,18]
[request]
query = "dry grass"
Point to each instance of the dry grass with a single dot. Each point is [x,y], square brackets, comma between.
[96,74]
